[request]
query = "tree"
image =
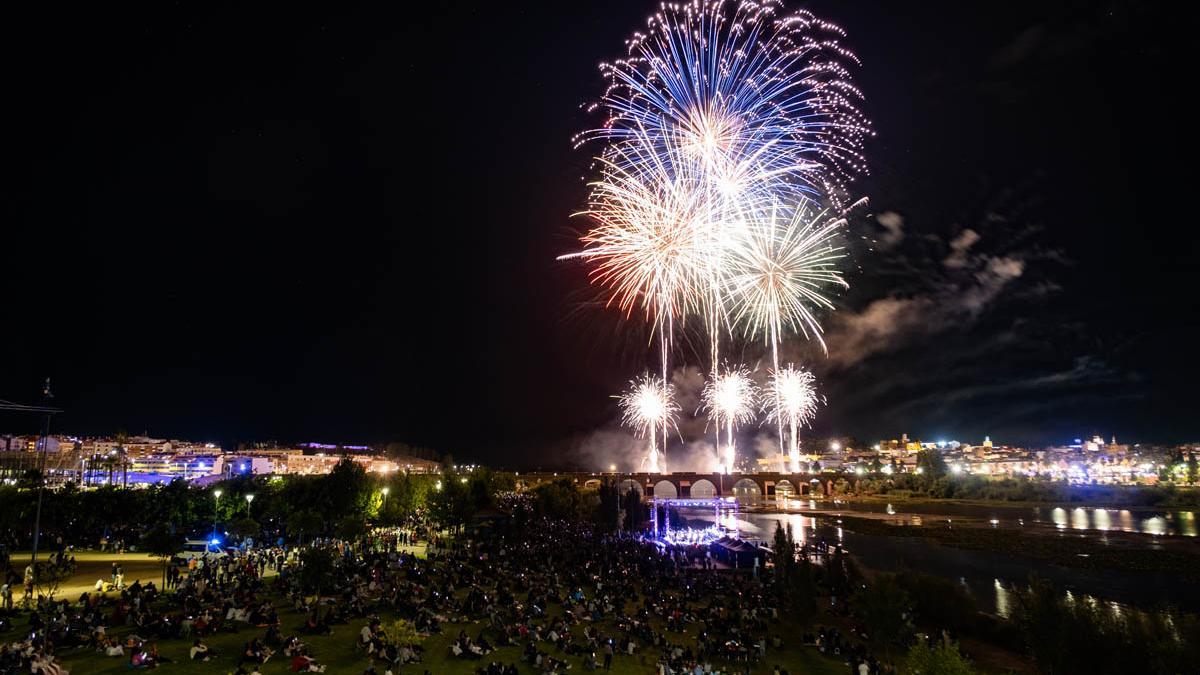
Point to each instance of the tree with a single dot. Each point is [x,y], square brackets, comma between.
[316,568]
[784,554]
[345,491]
[245,528]
[162,543]
[607,515]
[351,527]
[802,591]
[301,523]
[942,659]
[636,515]
[883,608]
[452,505]
[559,500]
[931,462]
[47,578]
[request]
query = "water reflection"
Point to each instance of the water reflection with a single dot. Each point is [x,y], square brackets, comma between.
[1079,519]
[1155,525]
[1187,523]
[1059,516]
[993,578]
[1002,599]
[1171,523]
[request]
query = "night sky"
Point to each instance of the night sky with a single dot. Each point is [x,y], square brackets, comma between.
[240,224]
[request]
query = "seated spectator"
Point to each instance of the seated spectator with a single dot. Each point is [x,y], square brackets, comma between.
[200,651]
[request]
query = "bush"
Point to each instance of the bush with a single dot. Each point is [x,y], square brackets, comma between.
[943,659]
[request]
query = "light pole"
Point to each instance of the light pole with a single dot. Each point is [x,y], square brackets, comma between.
[249,498]
[42,442]
[216,504]
[617,489]
[385,492]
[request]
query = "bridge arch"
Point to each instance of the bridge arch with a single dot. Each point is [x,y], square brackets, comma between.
[703,489]
[665,489]
[747,491]
[629,484]
[784,489]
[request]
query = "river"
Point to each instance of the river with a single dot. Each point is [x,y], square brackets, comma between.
[989,577]
[1145,521]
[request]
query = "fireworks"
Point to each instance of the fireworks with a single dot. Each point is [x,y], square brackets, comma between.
[723,124]
[649,406]
[728,128]
[729,401]
[791,400]
[760,99]
[778,274]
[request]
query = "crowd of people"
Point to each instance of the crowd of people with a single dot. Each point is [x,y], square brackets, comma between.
[565,596]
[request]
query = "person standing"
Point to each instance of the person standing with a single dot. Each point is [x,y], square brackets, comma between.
[608,655]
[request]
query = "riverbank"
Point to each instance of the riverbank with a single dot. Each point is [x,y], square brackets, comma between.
[1124,551]
[922,500]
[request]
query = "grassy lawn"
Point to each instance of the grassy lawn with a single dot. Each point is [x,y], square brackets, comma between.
[339,654]
[337,651]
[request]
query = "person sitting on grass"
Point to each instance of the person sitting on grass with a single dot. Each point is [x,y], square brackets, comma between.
[303,663]
[140,658]
[314,626]
[256,652]
[200,651]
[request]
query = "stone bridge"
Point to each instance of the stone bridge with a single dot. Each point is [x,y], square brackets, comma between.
[745,486]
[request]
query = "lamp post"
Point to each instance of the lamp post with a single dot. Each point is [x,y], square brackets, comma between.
[385,492]
[216,504]
[249,498]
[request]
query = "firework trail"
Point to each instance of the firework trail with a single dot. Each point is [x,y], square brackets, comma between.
[777,278]
[791,400]
[649,405]
[729,400]
[760,99]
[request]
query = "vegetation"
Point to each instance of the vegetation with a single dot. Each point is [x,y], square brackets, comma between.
[161,542]
[883,608]
[296,508]
[935,483]
[940,659]
[1066,635]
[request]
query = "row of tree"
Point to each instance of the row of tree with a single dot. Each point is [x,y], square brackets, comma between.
[296,508]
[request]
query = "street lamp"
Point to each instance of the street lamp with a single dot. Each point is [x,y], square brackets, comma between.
[216,503]
[249,498]
[385,492]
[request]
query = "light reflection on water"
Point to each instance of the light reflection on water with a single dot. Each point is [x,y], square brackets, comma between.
[1002,599]
[1177,523]
[1161,523]
[1155,525]
[990,577]
[1059,516]
[1079,519]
